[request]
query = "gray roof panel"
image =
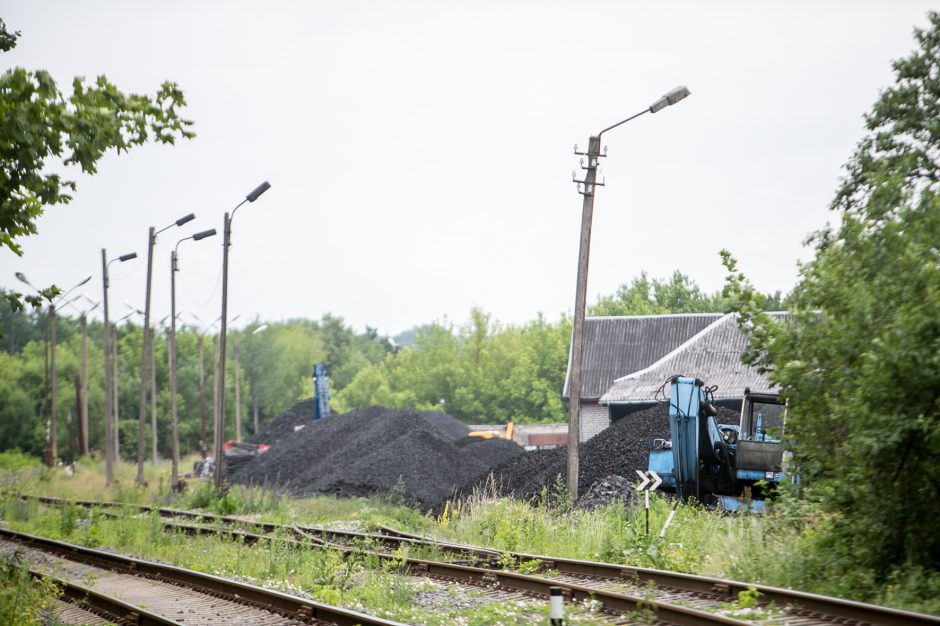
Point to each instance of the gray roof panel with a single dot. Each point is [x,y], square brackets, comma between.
[713,355]
[616,346]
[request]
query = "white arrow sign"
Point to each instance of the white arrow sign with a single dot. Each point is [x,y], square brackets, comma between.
[657,480]
[649,480]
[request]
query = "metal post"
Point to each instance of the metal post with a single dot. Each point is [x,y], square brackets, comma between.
[255,401]
[203,434]
[577,331]
[144,363]
[153,396]
[83,391]
[215,390]
[238,396]
[53,444]
[116,399]
[174,474]
[108,443]
[220,419]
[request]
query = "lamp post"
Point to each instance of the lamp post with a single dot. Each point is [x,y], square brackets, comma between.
[588,186]
[51,446]
[227,241]
[110,443]
[174,267]
[147,346]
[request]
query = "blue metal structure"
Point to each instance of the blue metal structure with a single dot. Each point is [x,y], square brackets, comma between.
[713,463]
[321,391]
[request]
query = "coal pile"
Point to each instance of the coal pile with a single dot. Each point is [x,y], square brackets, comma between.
[421,455]
[607,490]
[616,451]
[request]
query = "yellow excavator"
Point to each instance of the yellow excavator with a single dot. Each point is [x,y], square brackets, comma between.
[506,433]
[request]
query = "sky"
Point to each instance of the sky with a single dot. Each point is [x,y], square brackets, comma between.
[420,153]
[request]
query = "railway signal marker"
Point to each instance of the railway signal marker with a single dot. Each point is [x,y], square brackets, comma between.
[649,481]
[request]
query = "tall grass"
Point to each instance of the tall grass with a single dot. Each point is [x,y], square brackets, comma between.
[787,547]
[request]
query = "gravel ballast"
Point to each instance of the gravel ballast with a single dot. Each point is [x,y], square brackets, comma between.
[423,455]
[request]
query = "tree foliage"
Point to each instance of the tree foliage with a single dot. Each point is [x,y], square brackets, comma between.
[39,124]
[860,358]
[481,372]
[677,294]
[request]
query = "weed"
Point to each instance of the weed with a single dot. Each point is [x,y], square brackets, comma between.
[23,600]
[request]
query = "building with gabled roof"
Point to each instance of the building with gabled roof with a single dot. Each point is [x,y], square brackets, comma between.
[616,346]
[713,355]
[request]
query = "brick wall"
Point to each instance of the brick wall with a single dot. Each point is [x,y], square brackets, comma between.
[594,419]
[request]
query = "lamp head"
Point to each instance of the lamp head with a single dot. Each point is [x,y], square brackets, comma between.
[185,218]
[204,234]
[83,282]
[669,99]
[257,191]
[20,276]
[127,257]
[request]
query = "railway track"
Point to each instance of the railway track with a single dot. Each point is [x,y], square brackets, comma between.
[136,591]
[677,598]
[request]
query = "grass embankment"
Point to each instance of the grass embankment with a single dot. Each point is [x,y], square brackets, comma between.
[776,549]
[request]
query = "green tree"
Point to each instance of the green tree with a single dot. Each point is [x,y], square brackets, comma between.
[645,296]
[38,124]
[860,359]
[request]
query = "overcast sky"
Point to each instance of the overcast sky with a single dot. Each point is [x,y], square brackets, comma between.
[420,153]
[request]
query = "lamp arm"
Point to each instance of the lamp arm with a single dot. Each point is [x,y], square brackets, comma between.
[622,122]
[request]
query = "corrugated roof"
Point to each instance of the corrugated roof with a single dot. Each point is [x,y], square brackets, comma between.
[615,346]
[713,355]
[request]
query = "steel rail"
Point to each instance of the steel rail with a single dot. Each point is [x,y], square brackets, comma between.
[115,608]
[611,602]
[285,604]
[808,604]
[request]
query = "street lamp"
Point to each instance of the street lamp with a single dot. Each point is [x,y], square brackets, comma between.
[52,447]
[174,267]
[110,385]
[227,241]
[588,186]
[147,346]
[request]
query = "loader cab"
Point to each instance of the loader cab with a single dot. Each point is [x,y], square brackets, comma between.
[763,416]
[759,455]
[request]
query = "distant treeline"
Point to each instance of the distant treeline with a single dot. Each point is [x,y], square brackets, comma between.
[479,371]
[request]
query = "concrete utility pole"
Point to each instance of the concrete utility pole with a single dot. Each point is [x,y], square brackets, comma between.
[106,349]
[203,433]
[148,347]
[226,244]
[153,397]
[53,447]
[577,332]
[83,393]
[587,189]
[238,396]
[145,362]
[171,356]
